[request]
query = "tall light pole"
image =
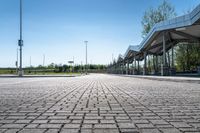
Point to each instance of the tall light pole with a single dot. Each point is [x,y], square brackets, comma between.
[17,62]
[86,56]
[30,62]
[20,42]
[43,60]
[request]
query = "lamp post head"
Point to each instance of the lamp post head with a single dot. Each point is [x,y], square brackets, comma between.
[86,42]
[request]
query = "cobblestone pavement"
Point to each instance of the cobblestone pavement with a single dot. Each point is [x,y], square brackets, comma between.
[98,104]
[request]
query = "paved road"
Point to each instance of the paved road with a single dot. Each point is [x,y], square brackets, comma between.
[98,104]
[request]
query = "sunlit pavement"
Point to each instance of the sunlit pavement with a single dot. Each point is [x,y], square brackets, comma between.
[98,103]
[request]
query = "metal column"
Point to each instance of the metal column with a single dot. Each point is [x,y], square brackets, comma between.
[156,66]
[163,65]
[172,56]
[127,68]
[134,69]
[138,66]
[145,63]
[123,67]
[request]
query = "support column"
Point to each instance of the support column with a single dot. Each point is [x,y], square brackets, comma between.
[122,67]
[138,69]
[127,68]
[115,68]
[134,65]
[132,72]
[173,69]
[154,66]
[135,70]
[145,63]
[156,69]
[149,65]
[118,68]
[169,61]
[172,56]
[164,68]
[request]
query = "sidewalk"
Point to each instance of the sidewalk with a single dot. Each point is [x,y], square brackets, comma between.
[167,78]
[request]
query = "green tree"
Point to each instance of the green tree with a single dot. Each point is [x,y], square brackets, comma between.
[188,56]
[155,15]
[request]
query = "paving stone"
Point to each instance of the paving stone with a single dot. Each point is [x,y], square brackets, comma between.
[11,130]
[126,125]
[140,121]
[106,131]
[6,121]
[76,117]
[40,121]
[145,126]
[129,130]
[15,117]
[159,122]
[164,126]
[196,125]
[90,121]
[2,130]
[69,131]
[150,131]
[13,126]
[180,124]
[93,118]
[86,131]
[59,121]
[72,126]
[23,121]
[107,121]
[76,121]
[32,131]
[58,117]
[103,126]
[98,103]
[49,126]
[85,126]
[32,126]
[170,130]
[185,129]
[52,131]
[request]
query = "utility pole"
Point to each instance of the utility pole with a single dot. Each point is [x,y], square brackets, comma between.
[86,57]
[43,60]
[17,62]
[20,42]
[30,61]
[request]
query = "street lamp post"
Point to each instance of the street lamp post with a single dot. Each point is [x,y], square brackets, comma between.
[43,60]
[20,42]
[86,57]
[16,63]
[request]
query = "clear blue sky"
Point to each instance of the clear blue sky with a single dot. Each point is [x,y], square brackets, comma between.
[58,28]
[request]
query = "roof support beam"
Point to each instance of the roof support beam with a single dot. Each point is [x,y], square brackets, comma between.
[169,36]
[185,35]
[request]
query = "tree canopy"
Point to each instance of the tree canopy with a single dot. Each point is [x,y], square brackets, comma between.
[155,15]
